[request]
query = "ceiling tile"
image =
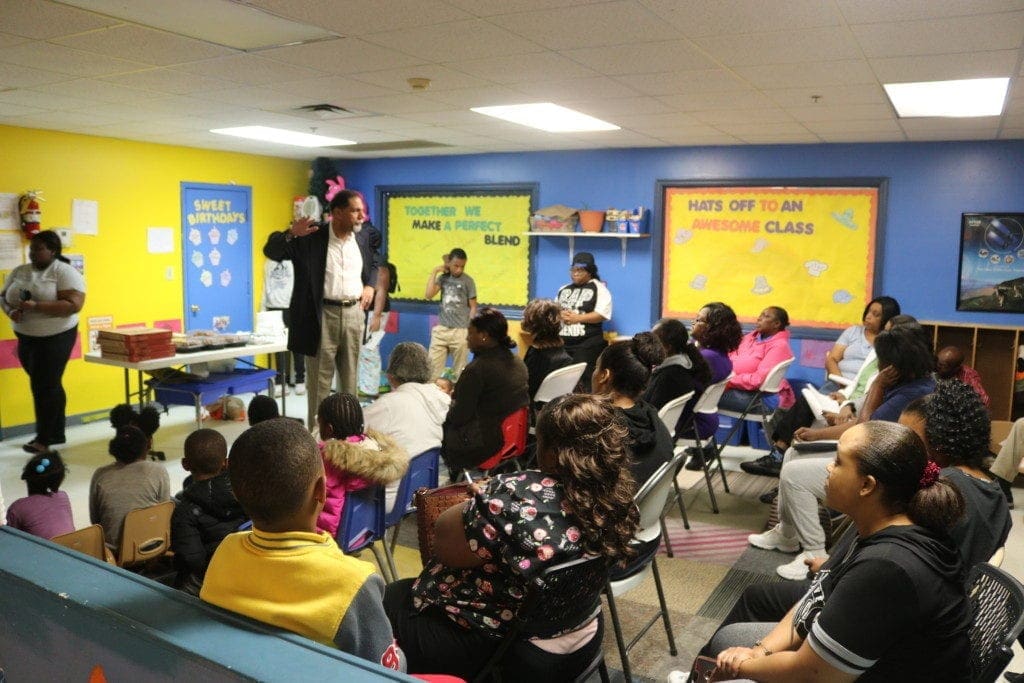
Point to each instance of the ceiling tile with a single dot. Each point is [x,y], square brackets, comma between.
[718,117]
[580,89]
[612,23]
[828,95]
[342,56]
[489,8]
[96,90]
[144,45]
[747,129]
[857,136]
[880,126]
[873,11]
[42,20]
[642,57]
[783,47]
[684,82]
[646,122]
[614,106]
[358,17]
[1011,133]
[522,68]
[455,41]
[726,17]
[399,104]
[482,97]
[9,39]
[169,81]
[65,60]
[841,112]
[13,76]
[441,78]
[739,99]
[249,69]
[687,139]
[921,125]
[28,97]
[10,109]
[808,74]
[329,89]
[945,67]
[910,38]
[763,138]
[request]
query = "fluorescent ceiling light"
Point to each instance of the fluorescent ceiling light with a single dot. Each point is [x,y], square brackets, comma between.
[282,136]
[222,23]
[971,97]
[547,116]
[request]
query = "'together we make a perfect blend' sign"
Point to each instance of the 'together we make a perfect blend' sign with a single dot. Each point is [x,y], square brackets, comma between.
[489,228]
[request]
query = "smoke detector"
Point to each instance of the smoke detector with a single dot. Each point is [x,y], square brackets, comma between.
[418,84]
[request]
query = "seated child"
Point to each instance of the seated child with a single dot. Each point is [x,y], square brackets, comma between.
[46,511]
[133,481]
[206,510]
[284,572]
[262,408]
[148,420]
[353,460]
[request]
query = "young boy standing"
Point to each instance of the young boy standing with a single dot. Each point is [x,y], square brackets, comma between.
[285,572]
[458,306]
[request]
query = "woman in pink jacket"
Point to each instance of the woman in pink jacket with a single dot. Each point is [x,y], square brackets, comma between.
[759,352]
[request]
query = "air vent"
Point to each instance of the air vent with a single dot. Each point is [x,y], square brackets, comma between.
[327,112]
[395,146]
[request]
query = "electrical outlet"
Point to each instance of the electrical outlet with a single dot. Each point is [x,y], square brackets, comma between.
[65,236]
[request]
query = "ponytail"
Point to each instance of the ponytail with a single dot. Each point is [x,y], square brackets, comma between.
[936,507]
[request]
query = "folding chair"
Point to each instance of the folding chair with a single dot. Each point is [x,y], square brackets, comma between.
[362,525]
[559,383]
[566,593]
[88,541]
[771,385]
[997,619]
[650,499]
[422,473]
[669,415]
[514,429]
[146,535]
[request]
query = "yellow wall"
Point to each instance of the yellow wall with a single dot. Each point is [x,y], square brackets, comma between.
[137,186]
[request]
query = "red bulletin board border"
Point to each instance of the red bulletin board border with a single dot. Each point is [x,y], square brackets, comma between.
[872,189]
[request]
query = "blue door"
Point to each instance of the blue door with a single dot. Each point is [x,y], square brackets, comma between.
[216,229]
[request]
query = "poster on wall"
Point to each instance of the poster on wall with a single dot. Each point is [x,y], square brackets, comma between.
[488,223]
[809,249]
[991,263]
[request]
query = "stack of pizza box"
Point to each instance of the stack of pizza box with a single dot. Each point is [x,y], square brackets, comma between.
[136,344]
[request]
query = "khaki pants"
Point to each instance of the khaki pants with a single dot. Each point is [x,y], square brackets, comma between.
[1010,455]
[445,341]
[341,334]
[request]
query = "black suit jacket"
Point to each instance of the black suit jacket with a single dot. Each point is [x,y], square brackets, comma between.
[309,258]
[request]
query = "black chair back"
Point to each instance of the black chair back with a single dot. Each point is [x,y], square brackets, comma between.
[997,619]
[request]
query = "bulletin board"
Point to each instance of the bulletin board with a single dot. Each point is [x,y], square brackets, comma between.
[488,222]
[807,248]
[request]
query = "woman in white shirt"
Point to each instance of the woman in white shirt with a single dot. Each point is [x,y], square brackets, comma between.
[42,299]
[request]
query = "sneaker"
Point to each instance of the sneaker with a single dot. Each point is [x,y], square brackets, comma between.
[1013,678]
[797,570]
[769,497]
[774,540]
[300,389]
[280,390]
[766,466]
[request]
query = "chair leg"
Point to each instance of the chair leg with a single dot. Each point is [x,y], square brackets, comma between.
[664,609]
[623,654]
[721,467]
[394,534]
[390,557]
[382,562]
[602,669]
[706,466]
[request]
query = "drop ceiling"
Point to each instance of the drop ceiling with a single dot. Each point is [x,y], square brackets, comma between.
[669,72]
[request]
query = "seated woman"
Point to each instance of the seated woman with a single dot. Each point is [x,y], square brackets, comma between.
[683,370]
[853,349]
[906,364]
[542,321]
[579,504]
[493,386]
[413,411]
[758,353]
[893,607]
[621,374]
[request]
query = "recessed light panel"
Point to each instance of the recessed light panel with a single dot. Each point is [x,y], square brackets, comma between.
[547,116]
[965,98]
[282,136]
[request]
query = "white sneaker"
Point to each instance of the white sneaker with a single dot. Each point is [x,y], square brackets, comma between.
[300,389]
[773,539]
[797,569]
[280,390]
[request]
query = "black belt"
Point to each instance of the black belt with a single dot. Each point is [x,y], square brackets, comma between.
[345,303]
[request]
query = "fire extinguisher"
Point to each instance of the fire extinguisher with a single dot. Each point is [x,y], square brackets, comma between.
[31,212]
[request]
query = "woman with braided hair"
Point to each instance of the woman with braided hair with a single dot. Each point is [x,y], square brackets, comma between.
[578,504]
[893,606]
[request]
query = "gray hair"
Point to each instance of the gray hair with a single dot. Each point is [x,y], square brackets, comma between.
[409,363]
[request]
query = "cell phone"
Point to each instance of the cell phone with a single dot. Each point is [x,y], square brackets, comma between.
[25,295]
[703,669]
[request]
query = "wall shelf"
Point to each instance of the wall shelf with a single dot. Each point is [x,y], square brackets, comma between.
[621,236]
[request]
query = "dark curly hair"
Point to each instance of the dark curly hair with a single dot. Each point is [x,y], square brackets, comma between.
[904,348]
[44,473]
[492,322]
[585,439]
[130,444]
[722,331]
[542,318]
[957,425]
[672,335]
[630,363]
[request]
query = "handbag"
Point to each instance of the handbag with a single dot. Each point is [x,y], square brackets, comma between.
[430,503]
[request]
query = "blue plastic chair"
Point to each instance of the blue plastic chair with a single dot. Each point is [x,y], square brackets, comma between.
[362,525]
[422,473]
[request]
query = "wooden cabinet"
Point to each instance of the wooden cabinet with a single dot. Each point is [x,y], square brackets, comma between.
[989,349]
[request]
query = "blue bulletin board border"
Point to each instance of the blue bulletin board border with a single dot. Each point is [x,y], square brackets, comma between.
[383,193]
[658,227]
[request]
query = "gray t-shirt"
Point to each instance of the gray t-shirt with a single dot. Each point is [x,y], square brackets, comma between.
[455,295]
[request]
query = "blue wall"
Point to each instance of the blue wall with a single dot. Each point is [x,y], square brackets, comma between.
[929,186]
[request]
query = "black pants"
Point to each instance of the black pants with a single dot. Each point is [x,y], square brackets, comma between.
[763,602]
[298,363]
[44,359]
[587,352]
[433,643]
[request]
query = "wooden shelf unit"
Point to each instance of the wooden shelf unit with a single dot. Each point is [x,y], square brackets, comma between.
[989,349]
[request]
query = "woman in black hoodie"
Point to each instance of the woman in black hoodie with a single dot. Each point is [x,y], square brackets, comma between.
[621,373]
[892,606]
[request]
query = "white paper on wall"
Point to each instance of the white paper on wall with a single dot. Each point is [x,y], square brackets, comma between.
[85,216]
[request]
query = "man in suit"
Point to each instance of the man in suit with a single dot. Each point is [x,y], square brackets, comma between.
[336,267]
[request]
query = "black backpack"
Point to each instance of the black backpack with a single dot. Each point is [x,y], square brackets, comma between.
[393,272]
